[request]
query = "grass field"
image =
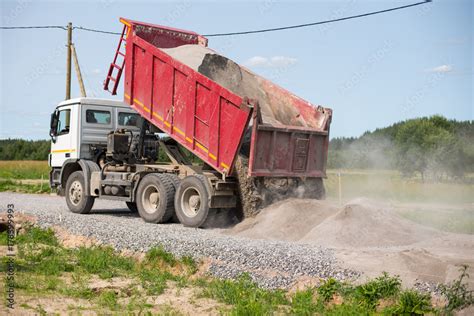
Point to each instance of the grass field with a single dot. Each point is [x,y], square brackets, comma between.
[52,279]
[24,176]
[389,185]
[24,169]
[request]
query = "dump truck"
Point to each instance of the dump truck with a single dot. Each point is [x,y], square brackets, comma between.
[233,139]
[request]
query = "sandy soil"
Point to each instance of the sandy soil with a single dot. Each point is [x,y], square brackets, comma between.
[367,236]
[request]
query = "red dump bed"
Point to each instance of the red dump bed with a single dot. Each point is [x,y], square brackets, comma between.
[209,119]
[198,113]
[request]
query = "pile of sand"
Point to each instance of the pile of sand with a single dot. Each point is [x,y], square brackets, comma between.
[360,223]
[289,220]
[240,81]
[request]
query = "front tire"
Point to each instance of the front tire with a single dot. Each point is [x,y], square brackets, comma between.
[192,201]
[154,199]
[77,199]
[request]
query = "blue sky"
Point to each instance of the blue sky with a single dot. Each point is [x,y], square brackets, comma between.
[372,72]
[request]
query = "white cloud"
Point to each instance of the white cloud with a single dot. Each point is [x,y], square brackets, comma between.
[441,69]
[270,62]
[96,71]
[256,61]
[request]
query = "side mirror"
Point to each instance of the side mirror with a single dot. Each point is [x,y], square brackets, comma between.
[54,125]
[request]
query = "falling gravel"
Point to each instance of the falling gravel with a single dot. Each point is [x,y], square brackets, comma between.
[272,264]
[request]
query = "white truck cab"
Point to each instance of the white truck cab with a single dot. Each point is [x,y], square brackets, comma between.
[79,128]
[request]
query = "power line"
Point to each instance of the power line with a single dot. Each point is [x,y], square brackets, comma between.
[318,23]
[33,27]
[94,30]
[56,27]
[232,33]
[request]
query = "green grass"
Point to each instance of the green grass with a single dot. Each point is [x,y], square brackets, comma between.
[154,281]
[159,254]
[304,303]
[411,302]
[109,300]
[24,169]
[18,186]
[328,289]
[103,261]
[43,266]
[36,235]
[24,176]
[370,293]
[245,296]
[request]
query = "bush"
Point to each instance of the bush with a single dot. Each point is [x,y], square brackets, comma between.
[371,292]
[411,302]
[457,293]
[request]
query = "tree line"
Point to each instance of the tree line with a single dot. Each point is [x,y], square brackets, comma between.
[431,147]
[20,149]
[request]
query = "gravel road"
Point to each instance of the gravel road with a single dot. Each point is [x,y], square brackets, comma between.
[271,264]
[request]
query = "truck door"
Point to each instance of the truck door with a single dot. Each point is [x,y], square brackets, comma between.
[61,147]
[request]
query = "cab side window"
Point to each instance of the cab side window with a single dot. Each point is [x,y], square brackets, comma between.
[98,117]
[63,122]
[127,119]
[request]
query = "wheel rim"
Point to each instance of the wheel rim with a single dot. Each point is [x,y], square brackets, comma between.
[191,202]
[150,199]
[75,192]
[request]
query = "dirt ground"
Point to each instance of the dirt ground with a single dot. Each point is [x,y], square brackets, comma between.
[368,236]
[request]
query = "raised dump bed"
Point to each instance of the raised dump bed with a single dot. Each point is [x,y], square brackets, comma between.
[167,80]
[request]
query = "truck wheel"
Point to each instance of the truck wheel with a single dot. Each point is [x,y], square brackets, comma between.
[132,206]
[176,182]
[155,198]
[191,201]
[76,198]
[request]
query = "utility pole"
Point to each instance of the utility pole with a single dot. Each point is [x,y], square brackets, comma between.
[78,71]
[68,63]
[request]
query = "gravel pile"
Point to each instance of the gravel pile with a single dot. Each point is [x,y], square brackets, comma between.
[271,264]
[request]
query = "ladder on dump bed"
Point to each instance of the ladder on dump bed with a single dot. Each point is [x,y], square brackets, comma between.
[118,64]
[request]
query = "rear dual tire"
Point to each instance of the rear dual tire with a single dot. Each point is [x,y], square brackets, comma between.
[154,199]
[192,201]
